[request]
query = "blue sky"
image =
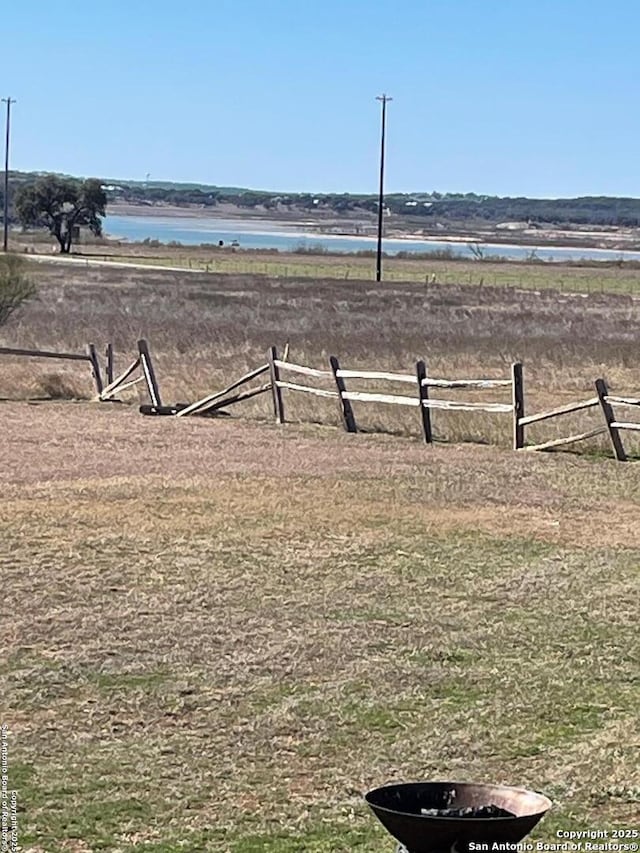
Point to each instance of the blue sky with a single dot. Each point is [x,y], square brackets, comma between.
[501,97]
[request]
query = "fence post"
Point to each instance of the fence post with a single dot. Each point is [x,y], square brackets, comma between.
[276,391]
[149,373]
[95,367]
[423,394]
[346,412]
[109,363]
[609,419]
[517,387]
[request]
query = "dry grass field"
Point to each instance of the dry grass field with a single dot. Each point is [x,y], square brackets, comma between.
[219,633]
[206,329]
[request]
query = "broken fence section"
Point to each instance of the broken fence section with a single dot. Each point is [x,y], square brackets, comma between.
[90,356]
[219,399]
[144,363]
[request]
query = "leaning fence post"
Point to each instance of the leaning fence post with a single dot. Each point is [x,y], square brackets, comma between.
[517,387]
[346,412]
[149,373]
[95,367]
[609,419]
[276,390]
[109,363]
[423,394]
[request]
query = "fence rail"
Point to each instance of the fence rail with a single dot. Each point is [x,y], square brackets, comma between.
[205,403]
[561,410]
[366,396]
[117,384]
[480,384]
[90,356]
[35,353]
[375,374]
[319,392]
[570,439]
[460,406]
[623,401]
[298,368]
[422,383]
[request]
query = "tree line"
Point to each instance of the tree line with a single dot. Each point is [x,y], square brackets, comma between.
[432,207]
[63,205]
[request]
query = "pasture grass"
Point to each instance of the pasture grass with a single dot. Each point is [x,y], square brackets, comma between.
[621,277]
[224,654]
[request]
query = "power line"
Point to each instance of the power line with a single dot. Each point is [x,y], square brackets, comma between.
[8,102]
[384,100]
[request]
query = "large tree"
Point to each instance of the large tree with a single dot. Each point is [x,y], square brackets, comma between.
[62,205]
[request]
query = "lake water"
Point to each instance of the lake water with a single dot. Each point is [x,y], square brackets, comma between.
[253,234]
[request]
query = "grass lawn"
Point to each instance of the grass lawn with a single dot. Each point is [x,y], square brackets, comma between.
[218,635]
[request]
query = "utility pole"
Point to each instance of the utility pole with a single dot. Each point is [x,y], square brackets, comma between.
[8,102]
[384,99]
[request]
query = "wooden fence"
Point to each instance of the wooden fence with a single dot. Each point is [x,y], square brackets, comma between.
[212,403]
[421,397]
[276,366]
[106,392]
[613,425]
[420,382]
[521,420]
[142,363]
[426,403]
[90,356]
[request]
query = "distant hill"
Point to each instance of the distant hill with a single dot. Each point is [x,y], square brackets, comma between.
[429,208]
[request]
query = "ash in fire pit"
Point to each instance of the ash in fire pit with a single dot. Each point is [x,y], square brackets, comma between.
[479,811]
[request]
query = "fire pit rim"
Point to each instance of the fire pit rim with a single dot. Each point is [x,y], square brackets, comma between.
[545,802]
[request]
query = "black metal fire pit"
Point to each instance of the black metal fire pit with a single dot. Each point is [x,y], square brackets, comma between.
[446,817]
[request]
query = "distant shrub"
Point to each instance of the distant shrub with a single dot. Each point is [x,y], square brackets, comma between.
[303,248]
[446,254]
[15,285]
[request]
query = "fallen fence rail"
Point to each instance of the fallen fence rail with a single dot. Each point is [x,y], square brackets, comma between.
[215,400]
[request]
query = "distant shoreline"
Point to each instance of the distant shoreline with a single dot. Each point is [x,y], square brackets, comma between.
[626,240]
